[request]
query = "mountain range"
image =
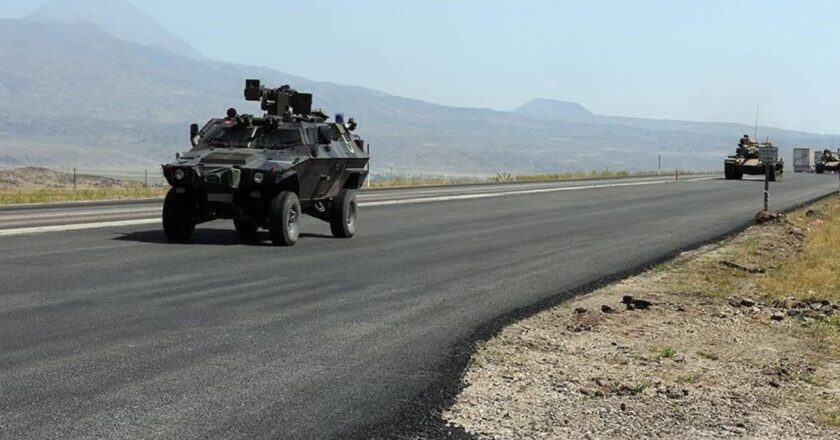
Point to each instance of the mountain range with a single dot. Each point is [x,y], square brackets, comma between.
[97,83]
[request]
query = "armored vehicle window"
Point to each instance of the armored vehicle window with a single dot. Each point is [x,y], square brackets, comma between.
[280,138]
[224,135]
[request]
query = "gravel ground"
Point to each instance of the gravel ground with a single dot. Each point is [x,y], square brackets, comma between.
[690,364]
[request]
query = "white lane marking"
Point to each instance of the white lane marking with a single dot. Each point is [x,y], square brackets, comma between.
[518,192]
[146,221]
[77,226]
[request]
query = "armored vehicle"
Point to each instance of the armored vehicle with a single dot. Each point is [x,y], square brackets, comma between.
[266,171]
[746,161]
[828,161]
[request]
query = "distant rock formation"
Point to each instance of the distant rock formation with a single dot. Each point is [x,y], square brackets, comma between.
[552,109]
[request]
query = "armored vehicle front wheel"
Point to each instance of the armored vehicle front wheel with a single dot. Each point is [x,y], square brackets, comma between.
[247,230]
[284,219]
[776,176]
[819,168]
[733,173]
[178,224]
[343,214]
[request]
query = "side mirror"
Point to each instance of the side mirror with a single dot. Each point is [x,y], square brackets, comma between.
[324,134]
[193,134]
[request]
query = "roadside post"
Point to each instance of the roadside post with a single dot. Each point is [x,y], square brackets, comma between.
[368,167]
[768,156]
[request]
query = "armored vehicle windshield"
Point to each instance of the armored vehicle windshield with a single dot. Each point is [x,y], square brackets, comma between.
[282,137]
[230,134]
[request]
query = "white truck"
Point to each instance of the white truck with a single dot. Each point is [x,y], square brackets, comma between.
[802,160]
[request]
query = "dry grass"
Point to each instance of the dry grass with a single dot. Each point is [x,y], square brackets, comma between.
[409,181]
[832,418]
[49,195]
[800,258]
[815,271]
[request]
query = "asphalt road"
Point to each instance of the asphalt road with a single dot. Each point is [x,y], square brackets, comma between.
[114,333]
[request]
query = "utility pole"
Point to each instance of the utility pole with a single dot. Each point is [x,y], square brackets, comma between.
[659,163]
[145,177]
[766,187]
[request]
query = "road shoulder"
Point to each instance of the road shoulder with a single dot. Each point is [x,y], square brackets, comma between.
[723,341]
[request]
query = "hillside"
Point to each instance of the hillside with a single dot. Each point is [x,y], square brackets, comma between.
[74,94]
[117,17]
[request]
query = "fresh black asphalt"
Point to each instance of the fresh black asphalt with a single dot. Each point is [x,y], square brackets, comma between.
[114,333]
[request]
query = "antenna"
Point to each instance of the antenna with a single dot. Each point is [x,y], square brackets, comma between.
[757,110]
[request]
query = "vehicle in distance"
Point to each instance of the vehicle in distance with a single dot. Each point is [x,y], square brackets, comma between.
[265,172]
[802,160]
[746,161]
[827,161]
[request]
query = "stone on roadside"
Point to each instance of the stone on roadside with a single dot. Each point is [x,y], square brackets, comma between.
[641,303]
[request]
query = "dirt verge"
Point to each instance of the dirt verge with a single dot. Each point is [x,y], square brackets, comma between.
[739,339]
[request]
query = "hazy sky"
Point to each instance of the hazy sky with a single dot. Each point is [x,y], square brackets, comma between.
[703,60]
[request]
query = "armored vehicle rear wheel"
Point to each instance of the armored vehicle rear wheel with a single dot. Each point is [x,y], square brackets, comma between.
[343,214]
[819,168]
[178,224]
[775,176]
[247,230]
[284,219]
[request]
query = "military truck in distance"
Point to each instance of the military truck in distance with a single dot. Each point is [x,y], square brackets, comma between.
[265,172]
[745,161]
[828,161]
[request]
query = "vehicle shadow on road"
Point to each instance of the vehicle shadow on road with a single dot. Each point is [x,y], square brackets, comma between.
[752,179]
[217,237]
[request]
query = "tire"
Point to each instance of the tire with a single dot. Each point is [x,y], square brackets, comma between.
[247,230]
[284,219]
[819,169]
[343,211]
[178,224]
[733,173]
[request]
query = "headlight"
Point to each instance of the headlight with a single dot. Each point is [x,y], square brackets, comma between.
[179,174]
[258,177]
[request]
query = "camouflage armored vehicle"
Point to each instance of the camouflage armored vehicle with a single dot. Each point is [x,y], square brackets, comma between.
[745,161]
[829,161]
[266,171]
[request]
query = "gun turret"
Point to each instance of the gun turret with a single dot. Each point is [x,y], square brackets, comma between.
[283,100]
